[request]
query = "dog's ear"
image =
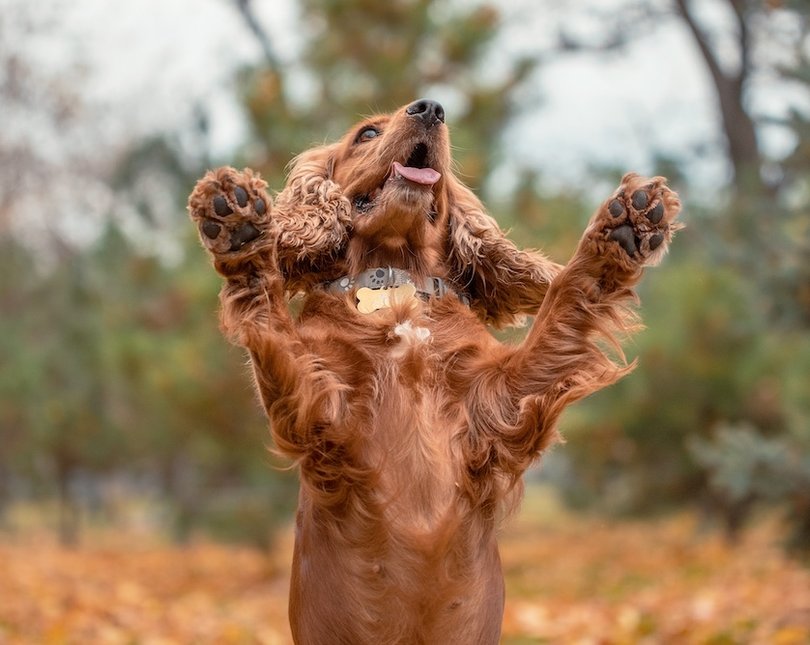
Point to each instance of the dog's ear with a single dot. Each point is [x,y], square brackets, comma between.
[504,283]
[311,214]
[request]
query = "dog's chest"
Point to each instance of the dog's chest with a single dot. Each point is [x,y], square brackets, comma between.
[402,410]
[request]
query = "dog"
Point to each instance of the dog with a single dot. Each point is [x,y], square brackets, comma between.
[411,425]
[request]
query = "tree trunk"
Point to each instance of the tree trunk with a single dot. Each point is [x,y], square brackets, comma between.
[738,126]
[68,521]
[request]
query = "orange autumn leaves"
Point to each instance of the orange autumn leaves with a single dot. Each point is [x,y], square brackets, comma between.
[157,595]
[666,582]
[569,580]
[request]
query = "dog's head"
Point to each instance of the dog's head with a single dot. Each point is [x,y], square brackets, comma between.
[385,195]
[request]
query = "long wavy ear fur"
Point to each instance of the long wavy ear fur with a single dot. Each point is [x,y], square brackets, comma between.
[312,218]
[504,283]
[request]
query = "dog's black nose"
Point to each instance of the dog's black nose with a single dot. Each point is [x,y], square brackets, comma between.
[428,111]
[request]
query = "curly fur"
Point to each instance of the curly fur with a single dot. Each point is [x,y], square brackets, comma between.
[412,426]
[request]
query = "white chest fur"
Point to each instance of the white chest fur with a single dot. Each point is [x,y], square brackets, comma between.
[411,337]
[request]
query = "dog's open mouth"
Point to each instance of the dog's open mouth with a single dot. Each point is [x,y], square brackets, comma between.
[414,171]
[416,168]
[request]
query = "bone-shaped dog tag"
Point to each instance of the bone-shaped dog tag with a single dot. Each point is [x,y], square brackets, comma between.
[370,300]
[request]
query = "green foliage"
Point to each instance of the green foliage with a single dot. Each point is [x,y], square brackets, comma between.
[113,363]
[742,463]
[710,359]
[717,411]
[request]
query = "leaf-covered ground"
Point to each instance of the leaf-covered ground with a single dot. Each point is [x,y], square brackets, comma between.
[569,580]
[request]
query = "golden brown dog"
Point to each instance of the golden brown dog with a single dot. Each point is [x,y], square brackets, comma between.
[412,426]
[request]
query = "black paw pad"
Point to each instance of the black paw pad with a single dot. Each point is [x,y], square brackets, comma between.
[616,208]
[259,206]
[656,213]
[211,229]
[655,241]
[242,235]
[221,207]
[640,199]
[626,239]
[241,196]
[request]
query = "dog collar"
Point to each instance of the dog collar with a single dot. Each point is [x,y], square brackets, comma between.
[375,288]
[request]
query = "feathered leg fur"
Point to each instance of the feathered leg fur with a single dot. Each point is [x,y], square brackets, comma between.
[516,396]
[236,221]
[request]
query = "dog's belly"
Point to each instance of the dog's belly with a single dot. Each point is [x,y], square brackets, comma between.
[393,593]
[406,560]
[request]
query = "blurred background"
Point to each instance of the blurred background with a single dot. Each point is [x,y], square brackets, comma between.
[123,409]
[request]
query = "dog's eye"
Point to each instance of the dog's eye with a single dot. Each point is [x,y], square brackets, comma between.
[366,134]
[362,202]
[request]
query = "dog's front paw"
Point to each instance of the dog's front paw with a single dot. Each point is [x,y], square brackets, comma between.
[636,225]
[232,212]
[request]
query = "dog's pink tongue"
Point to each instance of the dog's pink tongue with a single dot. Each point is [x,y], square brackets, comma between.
[425,176]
